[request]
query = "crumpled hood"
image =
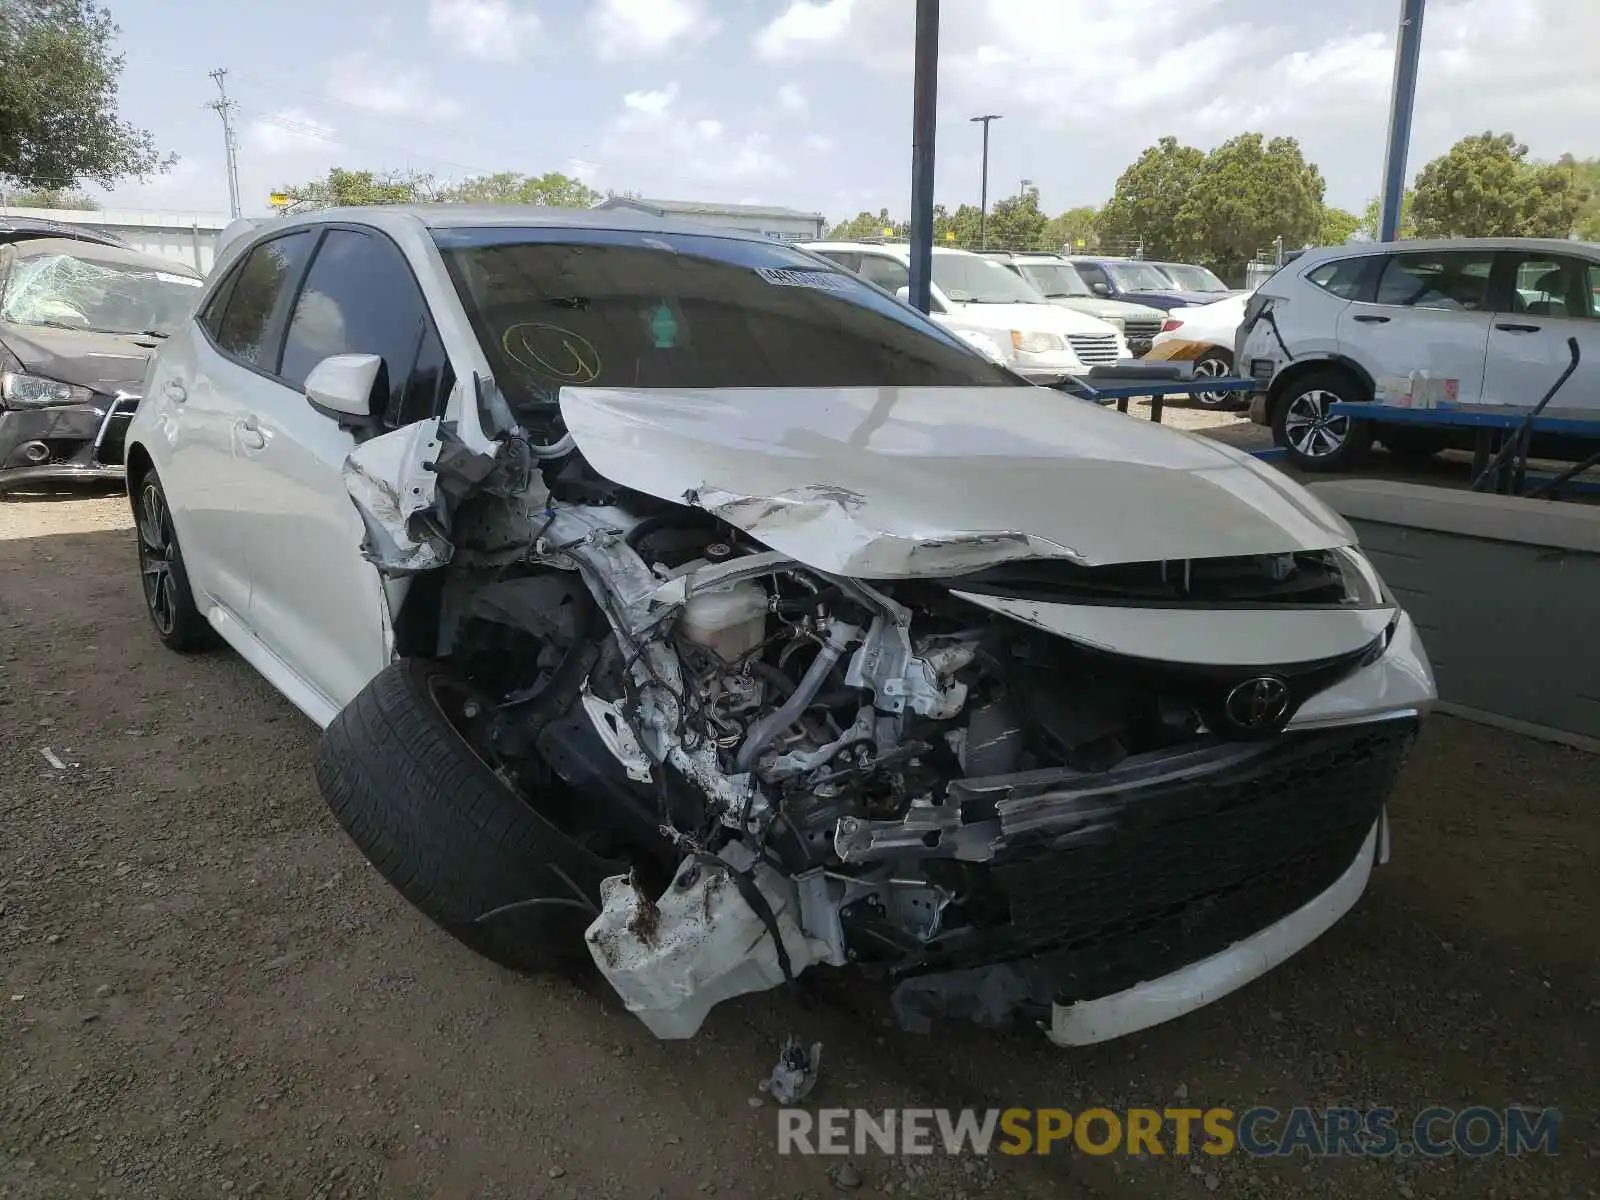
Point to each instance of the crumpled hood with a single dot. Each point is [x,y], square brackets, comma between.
[103,362]
[904,482]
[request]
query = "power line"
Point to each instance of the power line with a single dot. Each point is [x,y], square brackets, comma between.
[230,140]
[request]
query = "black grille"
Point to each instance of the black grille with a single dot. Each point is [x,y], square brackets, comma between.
[1187,869]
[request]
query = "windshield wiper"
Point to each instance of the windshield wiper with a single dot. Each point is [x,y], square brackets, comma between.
[153,333]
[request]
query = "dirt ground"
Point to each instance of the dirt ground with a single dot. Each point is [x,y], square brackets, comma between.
[204,991]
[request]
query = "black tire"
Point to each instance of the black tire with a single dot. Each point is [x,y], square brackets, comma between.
[163,579]
[1412,445]
[1215,363]
[1314,440]
[452,837]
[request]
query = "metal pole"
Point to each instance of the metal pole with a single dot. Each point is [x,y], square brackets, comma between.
[924,126]
[983,195]
[1408,50]
[225,108]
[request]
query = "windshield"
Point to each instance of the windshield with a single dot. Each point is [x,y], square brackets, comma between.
[613,308]
[75,293]
[1055,279]
[1192,278]
[968,279]
[1138,277]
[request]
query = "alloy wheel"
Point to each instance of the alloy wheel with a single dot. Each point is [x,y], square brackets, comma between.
[1211,368]
[1309,427]
[157,553]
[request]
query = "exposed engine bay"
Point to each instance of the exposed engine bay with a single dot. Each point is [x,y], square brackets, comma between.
[805,768]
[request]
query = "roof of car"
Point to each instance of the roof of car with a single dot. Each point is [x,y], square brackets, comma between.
[41,226]
[898,249]
[1352,249]
[510,216]
[95,252]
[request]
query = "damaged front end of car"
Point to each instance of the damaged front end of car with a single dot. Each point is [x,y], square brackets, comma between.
[1016,783]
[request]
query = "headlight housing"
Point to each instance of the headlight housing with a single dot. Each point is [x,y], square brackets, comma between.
[18,389]
[1036,343]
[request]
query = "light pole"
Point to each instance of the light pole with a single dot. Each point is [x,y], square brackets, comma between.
[924,122]
[1407,51]
[983,195]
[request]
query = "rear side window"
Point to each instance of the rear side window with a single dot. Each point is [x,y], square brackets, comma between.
[361,298]
[847,259]
[1342,277]
[888,274]
[1555,286]
[256,302]
[1456,280]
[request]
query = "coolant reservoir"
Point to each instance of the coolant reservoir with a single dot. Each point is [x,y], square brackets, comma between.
[730,621]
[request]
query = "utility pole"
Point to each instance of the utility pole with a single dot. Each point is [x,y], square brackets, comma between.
[983,195]
[225,108]
[924,125]
[1407,52]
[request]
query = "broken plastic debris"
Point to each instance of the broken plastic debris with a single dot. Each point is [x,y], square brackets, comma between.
[795,1075]
[50,757]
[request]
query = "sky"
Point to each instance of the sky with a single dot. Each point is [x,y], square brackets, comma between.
[807,103]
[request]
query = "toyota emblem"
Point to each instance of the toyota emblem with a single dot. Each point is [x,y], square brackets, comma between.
[1259,704]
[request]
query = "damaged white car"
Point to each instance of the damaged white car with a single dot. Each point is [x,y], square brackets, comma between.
[673,598]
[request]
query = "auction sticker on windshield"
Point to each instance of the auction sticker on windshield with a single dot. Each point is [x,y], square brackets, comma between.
[826,281]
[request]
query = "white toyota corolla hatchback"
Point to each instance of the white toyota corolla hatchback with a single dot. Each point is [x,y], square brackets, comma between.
[673,597]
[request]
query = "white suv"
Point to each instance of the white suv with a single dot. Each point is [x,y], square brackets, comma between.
[1467,323]
[991,306]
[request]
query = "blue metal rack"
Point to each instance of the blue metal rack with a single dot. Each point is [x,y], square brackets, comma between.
[1110,390]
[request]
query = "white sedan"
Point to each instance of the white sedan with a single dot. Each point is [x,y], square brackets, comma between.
[1203,335]
[676,601]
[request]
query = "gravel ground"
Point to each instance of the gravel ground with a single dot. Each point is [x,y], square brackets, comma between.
[204,991]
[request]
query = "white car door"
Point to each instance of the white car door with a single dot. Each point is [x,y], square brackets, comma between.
[315,602]
[1431,312]
[200,386]
[1552,298]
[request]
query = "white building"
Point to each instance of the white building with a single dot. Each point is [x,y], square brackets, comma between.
[780,224]
[186,236]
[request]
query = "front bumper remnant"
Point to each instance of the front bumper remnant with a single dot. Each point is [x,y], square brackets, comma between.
[78,441]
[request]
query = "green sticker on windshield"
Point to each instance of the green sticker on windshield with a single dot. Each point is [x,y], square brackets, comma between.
[665,328]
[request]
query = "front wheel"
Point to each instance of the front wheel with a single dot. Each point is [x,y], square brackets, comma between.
[447,829]
[1316,439]
[1215,363]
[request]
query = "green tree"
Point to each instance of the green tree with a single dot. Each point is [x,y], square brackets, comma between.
[959,229]
[551,189]
[1586,175]
[1483,186]
[1373,213]
[865,225]
[1151,207]
[1016,223]
[1075,230]
[58,98]
[343,187]
[1248,193]
[50,198]
[1337,226]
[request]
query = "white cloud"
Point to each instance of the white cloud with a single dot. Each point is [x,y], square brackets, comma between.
[819,143]
[490,30]
[291,131]
[626,29]
[655,134]
[804,26]
[582,169]
[791,99]
[386,88]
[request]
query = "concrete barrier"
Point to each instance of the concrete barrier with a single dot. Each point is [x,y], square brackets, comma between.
[1506,594]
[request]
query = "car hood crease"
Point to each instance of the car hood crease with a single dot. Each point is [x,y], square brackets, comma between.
[924,482]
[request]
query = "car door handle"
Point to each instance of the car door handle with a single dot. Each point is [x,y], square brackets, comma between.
[250,435]
[1507,327]
[1370,319]
[176,392]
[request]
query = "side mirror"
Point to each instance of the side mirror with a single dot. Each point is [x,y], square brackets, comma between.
[1100,289]
[341,387]
[934,306]
[903,295]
